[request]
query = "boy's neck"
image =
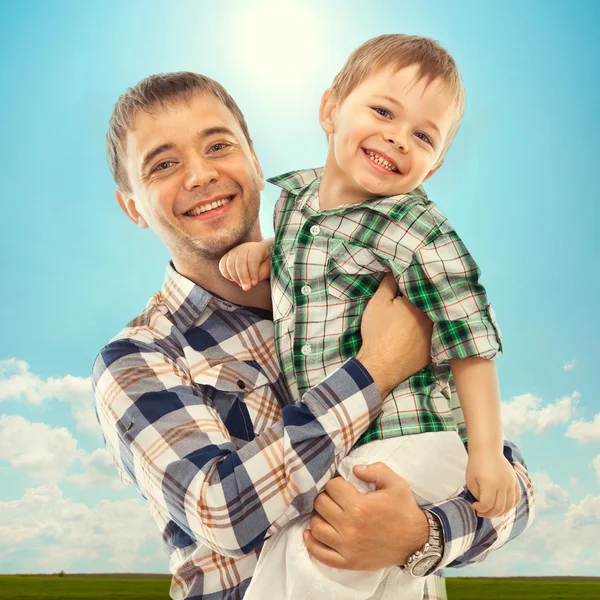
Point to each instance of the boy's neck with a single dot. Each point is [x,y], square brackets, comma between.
[335,188]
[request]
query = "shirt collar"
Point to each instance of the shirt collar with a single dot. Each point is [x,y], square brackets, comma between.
[297,182]
[184,299]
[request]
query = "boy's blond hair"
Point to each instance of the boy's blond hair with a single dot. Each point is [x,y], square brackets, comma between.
[398,51]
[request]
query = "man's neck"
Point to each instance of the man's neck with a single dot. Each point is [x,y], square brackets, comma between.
[206,274]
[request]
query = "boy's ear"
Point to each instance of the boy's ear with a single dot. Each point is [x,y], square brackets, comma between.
[326,112]
[128,206]
[433,171]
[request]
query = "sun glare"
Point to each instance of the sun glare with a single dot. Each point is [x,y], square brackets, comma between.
[279,43]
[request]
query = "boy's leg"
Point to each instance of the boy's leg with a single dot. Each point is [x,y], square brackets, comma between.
[286,571]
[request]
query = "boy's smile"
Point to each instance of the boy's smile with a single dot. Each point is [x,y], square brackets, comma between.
[386,137]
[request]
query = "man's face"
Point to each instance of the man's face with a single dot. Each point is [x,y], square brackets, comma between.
[194,178]
[388,134]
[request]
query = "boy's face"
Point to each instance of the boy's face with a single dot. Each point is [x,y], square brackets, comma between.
[387,135]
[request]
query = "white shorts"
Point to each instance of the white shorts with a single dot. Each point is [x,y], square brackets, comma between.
[433,465]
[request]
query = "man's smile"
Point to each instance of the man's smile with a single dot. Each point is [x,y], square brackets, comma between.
[208,209]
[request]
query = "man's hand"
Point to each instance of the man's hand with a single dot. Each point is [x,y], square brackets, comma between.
[396,337]
[366,532]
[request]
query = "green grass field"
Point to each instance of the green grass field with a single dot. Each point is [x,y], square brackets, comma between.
[28,587]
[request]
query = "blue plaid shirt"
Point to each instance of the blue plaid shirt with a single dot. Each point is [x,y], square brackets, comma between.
[194,411]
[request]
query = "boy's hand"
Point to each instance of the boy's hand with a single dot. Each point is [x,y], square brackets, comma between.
[492,480]
[247,264]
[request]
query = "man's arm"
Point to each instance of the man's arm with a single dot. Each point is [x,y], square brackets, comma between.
[169,439]
[383,528]
[166,434]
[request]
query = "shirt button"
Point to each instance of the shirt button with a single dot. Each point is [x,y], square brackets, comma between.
[306,349]
[306,289]
[241,384]
[315,230]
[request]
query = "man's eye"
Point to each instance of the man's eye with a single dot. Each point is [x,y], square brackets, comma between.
[161,166]
[217,147]
[383,112]
[424,137]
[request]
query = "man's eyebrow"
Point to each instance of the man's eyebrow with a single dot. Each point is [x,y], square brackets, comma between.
[218,130]
[152,154]
[398,103]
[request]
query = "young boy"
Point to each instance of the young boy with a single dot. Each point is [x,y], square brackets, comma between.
[390,116]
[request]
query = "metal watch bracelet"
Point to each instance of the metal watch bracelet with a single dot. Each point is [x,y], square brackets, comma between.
[425,560]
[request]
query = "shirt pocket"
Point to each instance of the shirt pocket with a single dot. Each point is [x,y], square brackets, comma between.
[353,271]
[282,289]
[232,382]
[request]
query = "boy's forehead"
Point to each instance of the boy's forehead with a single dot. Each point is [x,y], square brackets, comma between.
[406,86]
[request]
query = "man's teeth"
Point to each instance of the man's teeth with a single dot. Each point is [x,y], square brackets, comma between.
[198,211]
[381,161]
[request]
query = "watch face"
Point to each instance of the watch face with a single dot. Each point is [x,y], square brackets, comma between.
[425,564]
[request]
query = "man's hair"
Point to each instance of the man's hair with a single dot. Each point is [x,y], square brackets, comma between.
[150,93]
[398,51]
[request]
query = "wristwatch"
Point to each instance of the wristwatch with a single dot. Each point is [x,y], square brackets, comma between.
[423,561]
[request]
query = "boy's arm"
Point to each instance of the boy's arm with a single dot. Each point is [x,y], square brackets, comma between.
[468,538]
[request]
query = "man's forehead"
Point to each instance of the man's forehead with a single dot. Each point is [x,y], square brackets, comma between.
[178,117]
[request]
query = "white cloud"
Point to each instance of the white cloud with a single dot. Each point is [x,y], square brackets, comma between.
[569,365]
[558,543]
[36,449]
[525,413]
[596,466]
[587,512]
[17,381]
[548,495]
[99,470]
[60,534]
[45,454]
[585,431]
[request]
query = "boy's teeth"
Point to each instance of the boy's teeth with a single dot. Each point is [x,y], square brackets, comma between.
[381,161]
[198,211]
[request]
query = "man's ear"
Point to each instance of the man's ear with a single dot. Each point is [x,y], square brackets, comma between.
[328,105]
[128,206]
[433,171]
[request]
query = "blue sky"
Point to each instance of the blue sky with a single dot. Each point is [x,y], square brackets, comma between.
[518,184]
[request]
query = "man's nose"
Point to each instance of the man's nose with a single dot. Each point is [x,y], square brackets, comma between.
[199,173]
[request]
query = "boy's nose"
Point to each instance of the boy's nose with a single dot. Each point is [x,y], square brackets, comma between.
[398,139]
[199,173]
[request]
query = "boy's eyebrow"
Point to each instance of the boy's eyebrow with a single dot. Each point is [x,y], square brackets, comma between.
[169,145]
[398,103]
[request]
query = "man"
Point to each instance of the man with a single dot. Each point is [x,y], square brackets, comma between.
[190,397]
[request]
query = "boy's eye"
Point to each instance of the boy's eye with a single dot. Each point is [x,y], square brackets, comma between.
[217,147]
[424,137]
[383,112]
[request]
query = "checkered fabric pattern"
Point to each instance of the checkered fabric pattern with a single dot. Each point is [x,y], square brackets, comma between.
[327,265]
[195,414]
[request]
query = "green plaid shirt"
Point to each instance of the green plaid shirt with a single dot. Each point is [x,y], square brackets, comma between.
[326,266]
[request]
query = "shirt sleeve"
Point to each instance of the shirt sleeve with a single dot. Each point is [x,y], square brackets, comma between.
[166,435]
[442,280]
[468,538]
